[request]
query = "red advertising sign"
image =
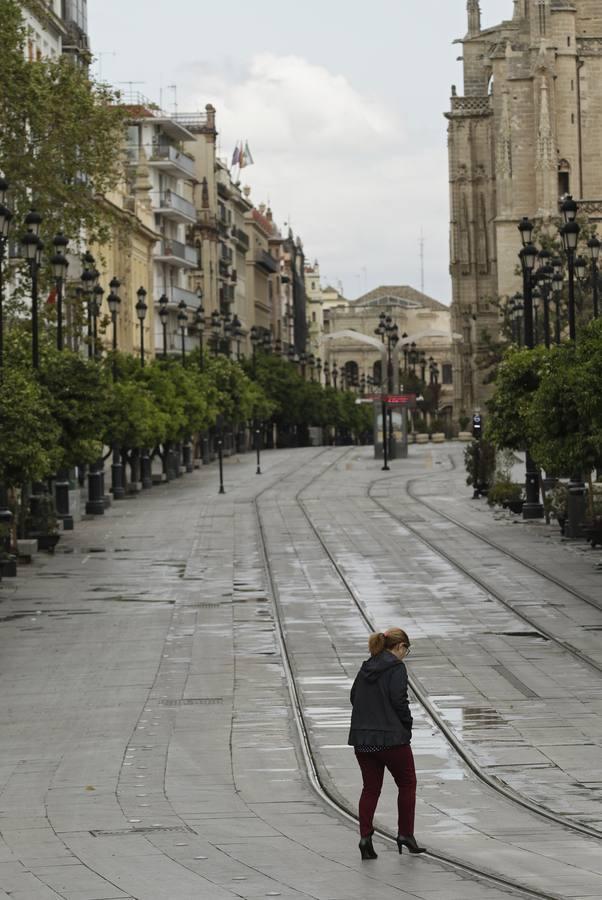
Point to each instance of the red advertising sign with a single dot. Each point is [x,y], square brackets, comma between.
[401,400]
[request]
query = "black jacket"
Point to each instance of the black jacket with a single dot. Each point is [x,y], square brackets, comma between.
[381,714]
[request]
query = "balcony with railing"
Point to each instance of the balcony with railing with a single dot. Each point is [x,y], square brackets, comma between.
[175,207]
[171,160]
[175,296]
[241,237]
[266,261]
[176,253]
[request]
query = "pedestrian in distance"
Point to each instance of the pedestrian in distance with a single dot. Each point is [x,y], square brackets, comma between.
[381,734]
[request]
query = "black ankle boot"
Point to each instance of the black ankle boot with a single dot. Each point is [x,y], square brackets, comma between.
[366,848]
[409,841]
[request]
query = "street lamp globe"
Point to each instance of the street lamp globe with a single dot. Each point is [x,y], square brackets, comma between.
[59,261]
[29,246]
[581,267]
[569,209]
[570,236]
[528,256]
[5,219]
[3,190]
[98,294]
[594,248]
[557,283]
[141,307]
[33,221]
[114,302]
[526,228]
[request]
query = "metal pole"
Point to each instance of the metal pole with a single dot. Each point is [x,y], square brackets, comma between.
[220,457]
[572,322]
[546,316]
[183,346]
[35,350]
[557,323]
[59,314]
[142,343]
[201,362]
[114,317]
[164,340]
[258,448]
[385,438]
[532,508]
[2,243]
[595,287]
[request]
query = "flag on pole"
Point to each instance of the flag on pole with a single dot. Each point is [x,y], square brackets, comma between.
[236,156]
[249,161]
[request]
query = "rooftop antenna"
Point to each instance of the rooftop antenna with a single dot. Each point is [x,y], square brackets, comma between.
[174,88]
[422,243]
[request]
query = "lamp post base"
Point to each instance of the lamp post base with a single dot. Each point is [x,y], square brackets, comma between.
[146,469]
[187,457]
[95,505]
[532,511]
[576,508]
[117,485]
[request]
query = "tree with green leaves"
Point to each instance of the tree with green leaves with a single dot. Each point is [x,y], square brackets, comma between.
[61,136]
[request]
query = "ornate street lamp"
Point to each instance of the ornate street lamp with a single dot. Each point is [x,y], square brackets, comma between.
[236,332]
[327,373]
[183,323]
[6,215]
[114,304]
[532,508]
[216,327]
[199,321]
[594,252]
[335,375]
[96,305]
[5,220]
[570,239]
[557,289]
[59,270]
[32,248]
[141,309]
[163,316]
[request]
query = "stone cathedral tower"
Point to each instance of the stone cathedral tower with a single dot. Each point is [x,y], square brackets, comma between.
[527,130]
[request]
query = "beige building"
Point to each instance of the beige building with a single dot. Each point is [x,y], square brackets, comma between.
[526,131]
[424,327]
[129,256]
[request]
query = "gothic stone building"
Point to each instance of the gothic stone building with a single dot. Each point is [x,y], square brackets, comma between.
[527,130]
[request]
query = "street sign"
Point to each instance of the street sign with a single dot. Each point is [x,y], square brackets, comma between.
[401,400]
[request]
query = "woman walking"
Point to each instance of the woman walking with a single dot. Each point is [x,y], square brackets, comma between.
[381,731]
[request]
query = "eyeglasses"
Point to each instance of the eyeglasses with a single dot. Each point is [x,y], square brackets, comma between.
[408,649]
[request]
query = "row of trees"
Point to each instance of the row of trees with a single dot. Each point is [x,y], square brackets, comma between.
[550,401]
[73,407]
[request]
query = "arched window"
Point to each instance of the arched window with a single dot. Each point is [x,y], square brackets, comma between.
[352,373]
[377,372]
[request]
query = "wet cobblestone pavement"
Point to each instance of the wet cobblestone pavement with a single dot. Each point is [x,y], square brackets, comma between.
[149,748]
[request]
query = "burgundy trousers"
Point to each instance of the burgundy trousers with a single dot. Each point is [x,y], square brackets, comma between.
[400,763]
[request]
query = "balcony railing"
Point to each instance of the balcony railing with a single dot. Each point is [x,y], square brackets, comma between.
[177,253]
[177,294]
[266,261]
[176,207]
[241,237]
[169,157]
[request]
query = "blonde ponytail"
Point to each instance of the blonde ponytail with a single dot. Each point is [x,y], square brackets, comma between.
[385,640]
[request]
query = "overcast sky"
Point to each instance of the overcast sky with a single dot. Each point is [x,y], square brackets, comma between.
[341,103]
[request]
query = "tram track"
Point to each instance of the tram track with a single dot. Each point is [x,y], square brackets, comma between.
[514,556]
[435,548]
[312,767]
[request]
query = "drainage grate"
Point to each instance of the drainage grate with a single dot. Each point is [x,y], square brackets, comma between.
[195,701]
[151,829]
[208,605]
